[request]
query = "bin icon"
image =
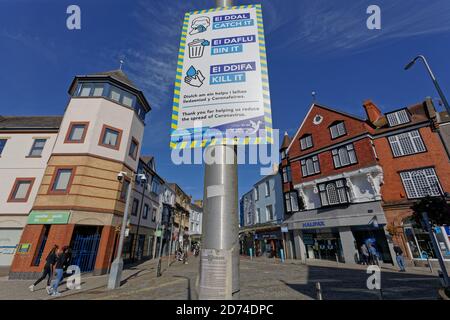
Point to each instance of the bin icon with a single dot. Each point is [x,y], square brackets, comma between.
[197,47]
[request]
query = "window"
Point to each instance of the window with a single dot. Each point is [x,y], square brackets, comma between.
[110,137]
[145,214]
[267,184]
[62,180]
[406,143]
[333,193]
[398,118]
[344,156]
[37,147]
[124,190]
[77,132]
[133,149]
[421,183]
[153,214]
[21,190]
[310,166]
[2,145]
[115,94]
[337,130]
[287,174]
[155,186]
[258,215]
[292,201]
[306,142]
[256,193]
[127,99]
[91,90]
[98,90]
[135,207]
[269,213]
[283,154]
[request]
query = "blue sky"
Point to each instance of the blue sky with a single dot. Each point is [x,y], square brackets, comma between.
[311,45]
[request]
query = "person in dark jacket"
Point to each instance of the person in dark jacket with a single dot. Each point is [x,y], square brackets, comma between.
[61,259]
[48,270]
[67,261]
[400,259]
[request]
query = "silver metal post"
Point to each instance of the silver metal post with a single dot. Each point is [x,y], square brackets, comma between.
[220,220]
[117,266]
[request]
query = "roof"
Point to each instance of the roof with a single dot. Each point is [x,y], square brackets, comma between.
[119,75]
[30,122]
[286,141]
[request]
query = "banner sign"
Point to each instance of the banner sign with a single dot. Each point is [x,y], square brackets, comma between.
[39,217]
[222,88]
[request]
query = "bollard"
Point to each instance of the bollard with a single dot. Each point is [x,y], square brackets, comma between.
[282,255]
[337,258]
[318,291]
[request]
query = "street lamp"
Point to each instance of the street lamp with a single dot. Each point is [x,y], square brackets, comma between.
[433,78]
[115,274]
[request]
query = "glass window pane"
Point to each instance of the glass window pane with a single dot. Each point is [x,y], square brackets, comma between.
[115,94]
[127,100]
[110,137]
[85,90]
[22,190]
[76,133]
[2,145]
[62,179]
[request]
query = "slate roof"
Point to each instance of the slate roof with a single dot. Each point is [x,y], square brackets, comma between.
[30,122]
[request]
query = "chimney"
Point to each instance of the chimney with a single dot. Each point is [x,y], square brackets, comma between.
[374,115]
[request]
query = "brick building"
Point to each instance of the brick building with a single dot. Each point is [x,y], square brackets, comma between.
[357,179]
[412,147]
[331,185]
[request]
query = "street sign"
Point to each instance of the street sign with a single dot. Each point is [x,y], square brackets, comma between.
[221,91]
[40,217]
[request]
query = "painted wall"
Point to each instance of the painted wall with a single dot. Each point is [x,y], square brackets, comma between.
[275,199]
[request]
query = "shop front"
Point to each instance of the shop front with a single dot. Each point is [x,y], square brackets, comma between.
[337,234]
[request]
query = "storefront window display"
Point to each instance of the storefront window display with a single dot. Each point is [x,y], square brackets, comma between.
[420,245]
[323,246]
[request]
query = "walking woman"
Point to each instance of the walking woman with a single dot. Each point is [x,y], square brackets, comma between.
[48,270]
[61,258]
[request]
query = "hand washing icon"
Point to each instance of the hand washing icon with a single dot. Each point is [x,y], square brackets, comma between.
[194,77]
[199,25]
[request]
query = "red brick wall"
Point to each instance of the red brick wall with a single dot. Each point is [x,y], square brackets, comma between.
[105,249]
[392,189]
[364,155]
[58,234]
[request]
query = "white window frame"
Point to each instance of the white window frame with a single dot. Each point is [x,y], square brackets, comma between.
[340,189]
[306,142]
[337,159]
[407,143]
[398,117]
[287,174]
[310,166]
[338,130]
[421,182]
[267,186]
[269,208]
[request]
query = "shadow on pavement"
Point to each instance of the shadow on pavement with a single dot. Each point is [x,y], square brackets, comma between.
[350,284]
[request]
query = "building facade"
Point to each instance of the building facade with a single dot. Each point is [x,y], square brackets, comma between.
[25,147]
[412,147]
[195,223]
[181,215]
[80,201]
[332,188]
[263,213]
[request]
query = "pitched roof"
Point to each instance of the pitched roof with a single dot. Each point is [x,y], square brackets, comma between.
[119,75]
[286,141]
[30,122]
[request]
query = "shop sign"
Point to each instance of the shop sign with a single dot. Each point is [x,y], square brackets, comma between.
[40,217]
[7,249]
[24,248]
[313,224]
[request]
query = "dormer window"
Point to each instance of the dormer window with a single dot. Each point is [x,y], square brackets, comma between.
[398,117]
[306,142]
[337,130]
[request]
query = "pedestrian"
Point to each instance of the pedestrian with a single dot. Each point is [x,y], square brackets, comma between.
[67,261]
[48,270]
[185,246]
[364,254]
[400,259]
[59,271]
[373,254]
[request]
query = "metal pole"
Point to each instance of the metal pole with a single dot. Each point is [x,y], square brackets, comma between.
[117,266]
[220,219]
[144,187]
[433,78]
[437,251]
[171,236]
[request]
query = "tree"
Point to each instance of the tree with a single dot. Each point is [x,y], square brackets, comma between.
[437,208]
